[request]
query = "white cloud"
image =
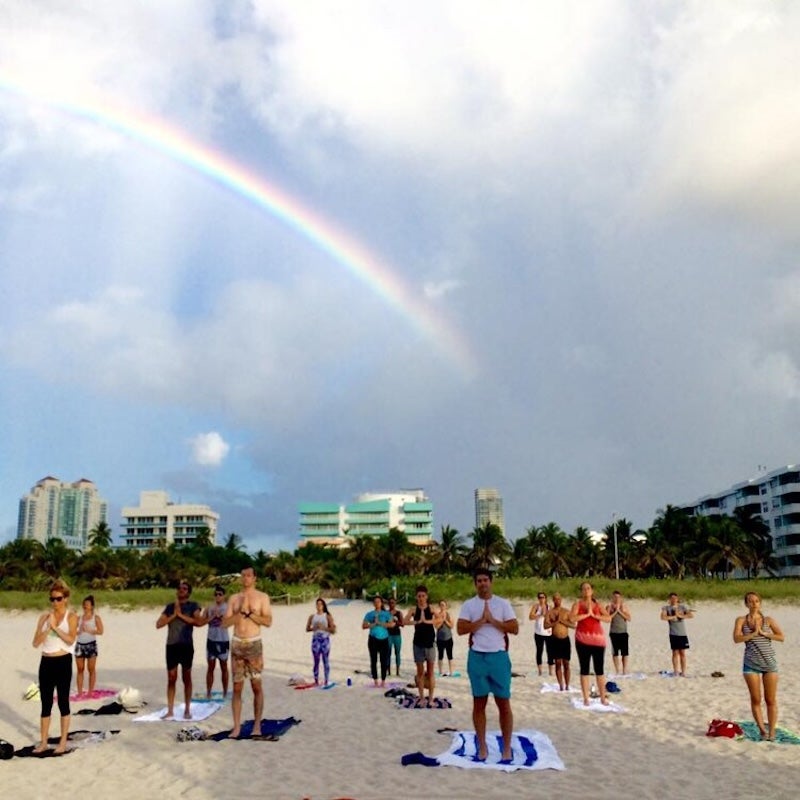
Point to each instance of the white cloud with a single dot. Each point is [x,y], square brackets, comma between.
[209,449]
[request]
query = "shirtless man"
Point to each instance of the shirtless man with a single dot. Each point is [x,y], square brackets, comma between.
[559,622]
[247,611]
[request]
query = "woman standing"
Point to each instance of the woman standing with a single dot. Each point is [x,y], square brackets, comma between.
[90,626]
[590,640]
[760,667]
[444,638]
[56,631]
[321,626]
[378,622]
[541,635]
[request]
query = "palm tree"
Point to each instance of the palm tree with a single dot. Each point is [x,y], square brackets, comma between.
[555,552]
[586,553]
[489,547]
[451,551]
[727,545]
[100,536]
[234,542]
[203,537]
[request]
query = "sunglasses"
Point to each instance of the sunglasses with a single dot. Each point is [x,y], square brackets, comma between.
[57,599]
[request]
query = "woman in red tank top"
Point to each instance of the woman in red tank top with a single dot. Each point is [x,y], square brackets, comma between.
[590,640]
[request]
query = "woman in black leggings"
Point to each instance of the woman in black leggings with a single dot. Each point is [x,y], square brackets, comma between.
[56,631]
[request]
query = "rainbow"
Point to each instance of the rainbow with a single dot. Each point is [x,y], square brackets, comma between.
[159,136]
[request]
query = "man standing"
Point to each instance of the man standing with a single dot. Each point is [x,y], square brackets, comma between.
[425,622]
[247,611]
[218,642]
[558,621]
[488,620]
[618,631]
[675,613]
[180,617]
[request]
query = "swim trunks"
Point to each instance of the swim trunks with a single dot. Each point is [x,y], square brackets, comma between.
[247,659]
[217,650]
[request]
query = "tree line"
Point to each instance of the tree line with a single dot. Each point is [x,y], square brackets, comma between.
[677,545]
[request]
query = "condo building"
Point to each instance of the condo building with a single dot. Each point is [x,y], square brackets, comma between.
[489,508]
[158,522]
[372,514]
[54,509]
[775,497]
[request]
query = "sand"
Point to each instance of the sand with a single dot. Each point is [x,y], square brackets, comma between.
[351,739]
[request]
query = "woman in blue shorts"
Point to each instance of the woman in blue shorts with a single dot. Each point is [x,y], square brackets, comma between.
[760,667]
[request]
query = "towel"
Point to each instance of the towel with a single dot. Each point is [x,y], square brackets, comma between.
[529,750]
[596,705]
[271,729]
[198,711]
[553,687]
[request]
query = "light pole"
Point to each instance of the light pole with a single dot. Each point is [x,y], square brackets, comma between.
[616,549]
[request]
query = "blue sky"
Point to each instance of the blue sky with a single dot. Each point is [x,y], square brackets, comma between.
[600,199]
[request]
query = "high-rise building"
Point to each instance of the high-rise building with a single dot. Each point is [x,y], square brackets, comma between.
[158,522]
[489,508]
[57,510]
[372,514]
[775,497]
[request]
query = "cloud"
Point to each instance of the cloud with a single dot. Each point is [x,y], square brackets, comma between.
[209,449]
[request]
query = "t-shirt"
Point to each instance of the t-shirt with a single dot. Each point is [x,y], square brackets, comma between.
[378,616]
[677,627]
[424,635]
[487,639]
[178,631]
[216,631]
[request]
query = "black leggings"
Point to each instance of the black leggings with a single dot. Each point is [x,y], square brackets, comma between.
[590,654]
[378,647]
[445,646]
[55,674]
[542,645]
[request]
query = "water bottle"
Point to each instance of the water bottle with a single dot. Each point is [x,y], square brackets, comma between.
[349,681]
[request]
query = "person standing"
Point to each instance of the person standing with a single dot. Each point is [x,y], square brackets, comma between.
[760,667]
[218,640]
[56,631]
[675,613]
[90,626]
[321,626]
[180,617]
[247,612]
[444,638]
[378,622]
[541,635]
[618,631]
[488,620]
[590,641]
[559,621]
[425,621]
[395,635]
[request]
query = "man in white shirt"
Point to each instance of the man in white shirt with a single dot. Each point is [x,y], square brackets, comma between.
[488,620]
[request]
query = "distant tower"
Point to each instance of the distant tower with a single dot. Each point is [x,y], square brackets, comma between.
[489,508]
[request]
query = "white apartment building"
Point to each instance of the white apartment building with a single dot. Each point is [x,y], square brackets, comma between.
[775,497]
[372,514]
[57,510]
[489,508]
[158,522]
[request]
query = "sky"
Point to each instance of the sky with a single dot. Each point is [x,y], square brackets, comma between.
[260,253]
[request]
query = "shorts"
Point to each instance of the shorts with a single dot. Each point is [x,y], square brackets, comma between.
[560,649]
[747,669]
[180,653]
[489,673]
[678,642]
[619,644]
[217,650]
[247,658]
[86,649]
[423,654]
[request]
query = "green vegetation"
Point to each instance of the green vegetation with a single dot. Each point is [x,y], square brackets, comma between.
[694,556]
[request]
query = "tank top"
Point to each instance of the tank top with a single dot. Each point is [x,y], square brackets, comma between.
[759,653]
[424,635]
[618,623]
[589,631]
[87,630]
[540,614]
[53,643]
[320,633]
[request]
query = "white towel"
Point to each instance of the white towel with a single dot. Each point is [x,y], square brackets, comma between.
[553,687]
[529,750]
[198,710]
[596,705]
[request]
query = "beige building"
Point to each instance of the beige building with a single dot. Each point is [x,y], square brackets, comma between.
[158,522]
[489,508]
[57,510]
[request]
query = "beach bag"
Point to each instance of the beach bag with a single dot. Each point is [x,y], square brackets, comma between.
[6,750]
[722,727]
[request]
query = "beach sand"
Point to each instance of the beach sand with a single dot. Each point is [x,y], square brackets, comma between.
[351,739]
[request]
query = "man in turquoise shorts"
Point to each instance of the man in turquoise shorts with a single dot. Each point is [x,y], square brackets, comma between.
[488,620]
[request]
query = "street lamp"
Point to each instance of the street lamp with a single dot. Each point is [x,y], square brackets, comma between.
[616,549]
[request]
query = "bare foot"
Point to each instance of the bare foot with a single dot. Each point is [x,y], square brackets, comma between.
[235,733]
[60,750]
[168,714]
[604,701]
[41,748]
[187,714]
